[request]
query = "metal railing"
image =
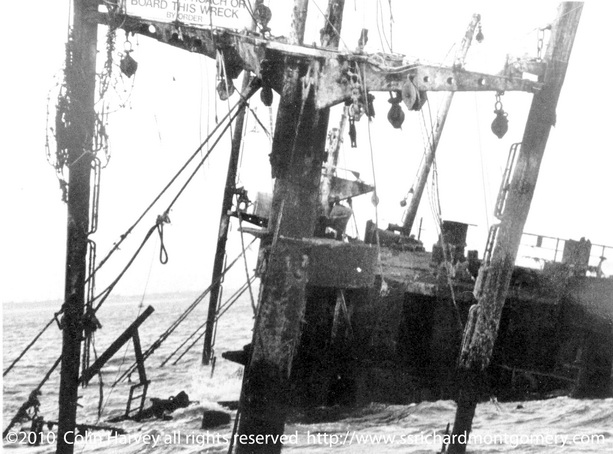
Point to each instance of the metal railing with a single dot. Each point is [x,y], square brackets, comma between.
[536,250]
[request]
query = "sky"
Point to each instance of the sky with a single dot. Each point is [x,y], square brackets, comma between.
[170,106]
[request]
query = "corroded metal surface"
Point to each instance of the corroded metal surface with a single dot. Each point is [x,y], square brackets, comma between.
[267,59]
[332,263]
[81,84]
[276,336]
[479,338]
[335,86]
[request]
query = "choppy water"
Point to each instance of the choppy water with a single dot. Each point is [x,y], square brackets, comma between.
[556,425]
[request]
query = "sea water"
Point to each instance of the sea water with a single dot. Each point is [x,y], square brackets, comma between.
[556,425]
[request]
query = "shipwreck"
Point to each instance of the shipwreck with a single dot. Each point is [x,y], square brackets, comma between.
[340,320]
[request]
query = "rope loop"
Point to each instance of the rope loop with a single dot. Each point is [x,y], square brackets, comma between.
[161,220]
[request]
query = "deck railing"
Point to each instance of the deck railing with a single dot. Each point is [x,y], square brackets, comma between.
[536,250]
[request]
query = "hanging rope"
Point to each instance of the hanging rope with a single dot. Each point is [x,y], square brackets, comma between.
[179,320]
[244,98]
[161,220]
[102,296]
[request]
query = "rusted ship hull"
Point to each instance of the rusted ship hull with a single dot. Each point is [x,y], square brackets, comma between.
[398,341]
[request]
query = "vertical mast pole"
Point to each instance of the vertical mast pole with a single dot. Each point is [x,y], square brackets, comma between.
[484,318]
[296,159]
[335,142]
[299,16]
[80,83]
[330,32]
[224,220]
[330,38]
[422,178]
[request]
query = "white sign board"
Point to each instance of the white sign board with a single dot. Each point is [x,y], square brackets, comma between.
[232,14]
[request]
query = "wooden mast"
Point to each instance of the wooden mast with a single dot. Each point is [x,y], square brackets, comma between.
[224,220]
[296,160]
[330,38]
[80,118]
[495,275]
[299,16]
[422,179]
[335,140]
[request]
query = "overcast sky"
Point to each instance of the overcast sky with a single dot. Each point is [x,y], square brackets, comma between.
[172,105]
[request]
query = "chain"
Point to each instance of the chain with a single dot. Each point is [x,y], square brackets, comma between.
[498,103]
[90,323]
[356,102]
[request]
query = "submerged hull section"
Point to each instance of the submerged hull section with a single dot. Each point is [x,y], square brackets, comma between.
[398,341]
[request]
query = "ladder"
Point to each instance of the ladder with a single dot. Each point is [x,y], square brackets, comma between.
[143,382]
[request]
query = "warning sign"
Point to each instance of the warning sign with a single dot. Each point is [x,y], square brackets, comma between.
[233,14]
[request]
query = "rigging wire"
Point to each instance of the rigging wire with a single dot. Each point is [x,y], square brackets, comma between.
[255,115]
[173,326]
[484,182]
[240,225]
[331,25]
[372,154]
[25,350]
[239,167]
[554,21]
[157,226]
[174,178]
[227,305]
[101,403]
[32,398]
[375,197]
[202,82]
[435,205]
[208,97]
[102,296]
[391,27]
[221,58]
[125,351]
[251,12]
[381,26]
[307,84]
[224,306]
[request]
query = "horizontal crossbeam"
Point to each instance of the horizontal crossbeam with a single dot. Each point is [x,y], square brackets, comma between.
[336,73]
